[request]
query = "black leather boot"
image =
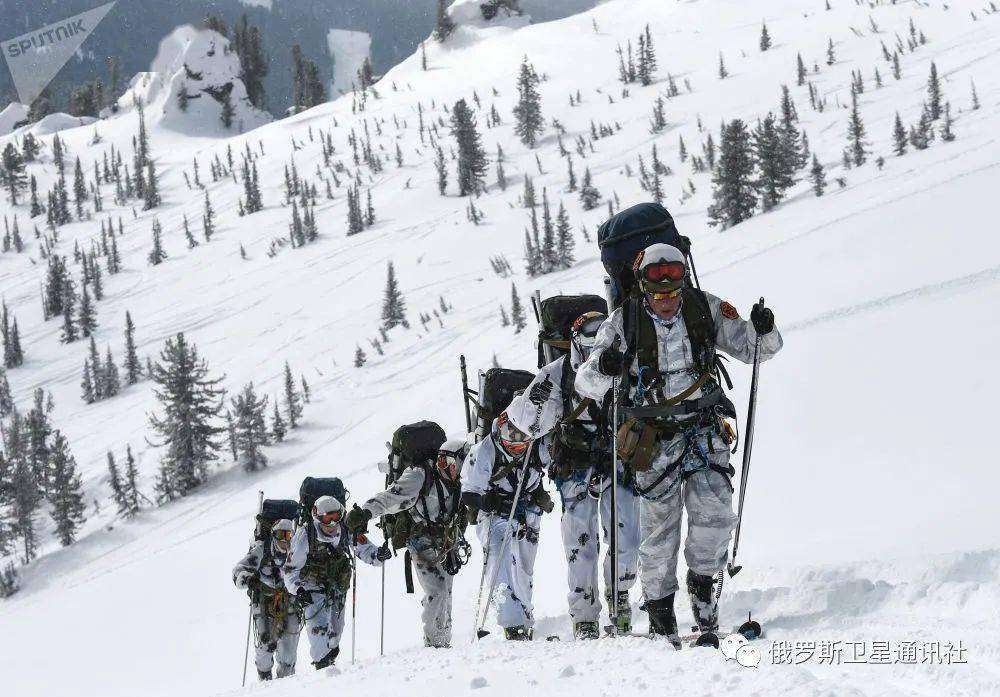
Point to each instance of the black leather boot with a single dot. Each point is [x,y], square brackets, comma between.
[701,591]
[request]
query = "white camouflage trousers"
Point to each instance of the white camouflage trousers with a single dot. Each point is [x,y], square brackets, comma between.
[324,624]
[436,585]
[274,639]
[582,546]
[706,496]
[517,566]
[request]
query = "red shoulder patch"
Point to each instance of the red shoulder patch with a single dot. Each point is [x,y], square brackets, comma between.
[728,311]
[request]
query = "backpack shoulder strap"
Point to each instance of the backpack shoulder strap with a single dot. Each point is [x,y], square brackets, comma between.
[697,315]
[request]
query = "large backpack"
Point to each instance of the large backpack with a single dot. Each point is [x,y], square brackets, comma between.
[627,233]
[497,389]
[414,444]
[314,487]
[556,317]
[273,510]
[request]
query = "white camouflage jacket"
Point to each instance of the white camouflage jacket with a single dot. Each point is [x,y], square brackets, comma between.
[299,552]
[734,336]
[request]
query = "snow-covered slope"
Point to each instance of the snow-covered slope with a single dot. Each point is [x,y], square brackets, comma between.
[873,434]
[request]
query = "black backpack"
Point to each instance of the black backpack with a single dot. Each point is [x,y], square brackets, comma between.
[273,510]
[414,444]
[314,487]
[556,317]
[627,233]
[497,388]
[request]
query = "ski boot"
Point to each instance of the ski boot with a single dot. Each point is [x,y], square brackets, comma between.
[624,612]
[518,633]
[327,660]
[662,620]
[585,630]
[263,675]
[285,670]
[704,606]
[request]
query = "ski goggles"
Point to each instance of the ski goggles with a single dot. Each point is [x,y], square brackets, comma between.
[328,518]
[514,440]
[661,294]
[585,328]
[664,271]
[447,463]
[282,535]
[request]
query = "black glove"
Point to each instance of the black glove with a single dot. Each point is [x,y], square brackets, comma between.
[472,503]
[762,318]
[540,497]
[611,362]
[304,597]
[253,586]
[540,392]
[383,553]
[357,519]
[490,502]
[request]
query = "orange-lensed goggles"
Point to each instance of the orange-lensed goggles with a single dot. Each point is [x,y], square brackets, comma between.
[329,518]
[282,535]
[664,271]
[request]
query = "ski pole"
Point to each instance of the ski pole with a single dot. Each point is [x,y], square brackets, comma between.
[354,605]
[246,648]
[613,609]
[465,394]
[507,534]
[747,449]
[482,577]
[246,651]
[381,631]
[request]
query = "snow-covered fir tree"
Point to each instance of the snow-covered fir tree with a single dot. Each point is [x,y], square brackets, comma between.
[393,304]
[293,401]
[472,160]
[190,402]
[517,316]
[529,122]
[66,491]
[251,427]
[733,197]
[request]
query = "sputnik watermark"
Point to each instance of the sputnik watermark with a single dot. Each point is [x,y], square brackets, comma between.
[35,58]
[869,652]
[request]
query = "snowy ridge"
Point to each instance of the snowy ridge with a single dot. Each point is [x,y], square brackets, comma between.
[855,456]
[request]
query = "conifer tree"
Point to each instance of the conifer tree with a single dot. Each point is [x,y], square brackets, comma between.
[659,120]
[934,93]
[774,177]
[132,365]
[151,198]
[191,241]
[472,160]
[733,194]
[190,402]
[818,176]
[765,38]
[856,135]
[117,487]
[947,135]
[12,172]
[305,389]
[646,65]
[800,71]
[278,429]
[6,399]
[723,73]
[251,429]
[111,382]
[293,402]
[208,219]
[69,333]
[565,244]
[975,107]
[360,358]
[87,384]
[26,497]
[157,255]
[443,26]
[517,316]
[393,304]
[442,170]
[899,140]
[831,57]
[590,197]
[66,492]
[132,493]
[86,317]
[528,111]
